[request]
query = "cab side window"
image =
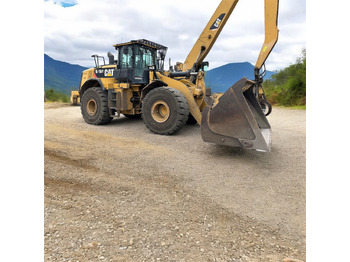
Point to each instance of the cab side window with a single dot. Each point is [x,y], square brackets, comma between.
[126,57]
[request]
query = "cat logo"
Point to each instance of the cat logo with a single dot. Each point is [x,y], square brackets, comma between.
[217,22]
[109,72]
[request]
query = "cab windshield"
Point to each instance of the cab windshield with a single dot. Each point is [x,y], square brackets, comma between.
[144,57]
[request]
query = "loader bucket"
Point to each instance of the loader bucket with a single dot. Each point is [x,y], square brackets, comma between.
[237,119]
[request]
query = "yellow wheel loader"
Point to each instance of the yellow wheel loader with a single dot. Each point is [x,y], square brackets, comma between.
[74,98]
[134,83]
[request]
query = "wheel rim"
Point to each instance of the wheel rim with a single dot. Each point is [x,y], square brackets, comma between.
[160,111]
[91,107]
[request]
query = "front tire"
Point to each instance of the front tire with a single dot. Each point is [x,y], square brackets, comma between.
[165,110]
[94,107]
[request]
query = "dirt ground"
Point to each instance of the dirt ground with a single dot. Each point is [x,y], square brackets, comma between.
[120,193]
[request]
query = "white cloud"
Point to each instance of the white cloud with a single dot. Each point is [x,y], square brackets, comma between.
[74,33]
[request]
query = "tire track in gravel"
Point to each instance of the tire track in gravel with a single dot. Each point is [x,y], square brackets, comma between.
[191,218]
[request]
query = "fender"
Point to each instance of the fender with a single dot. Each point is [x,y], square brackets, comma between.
[92,82]
[154,84]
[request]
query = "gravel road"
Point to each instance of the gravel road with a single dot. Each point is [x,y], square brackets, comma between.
[120,193]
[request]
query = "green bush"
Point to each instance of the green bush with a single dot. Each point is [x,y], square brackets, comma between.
[54,96]
[288,86]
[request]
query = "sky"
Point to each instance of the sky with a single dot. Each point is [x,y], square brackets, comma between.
[76,29]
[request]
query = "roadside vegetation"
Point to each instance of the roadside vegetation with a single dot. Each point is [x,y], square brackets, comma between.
[288,86]
[52,95]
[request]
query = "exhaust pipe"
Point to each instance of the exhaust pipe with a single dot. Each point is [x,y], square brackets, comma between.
[236,119]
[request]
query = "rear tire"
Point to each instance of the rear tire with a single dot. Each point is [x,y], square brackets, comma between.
[165,110]
[94,106]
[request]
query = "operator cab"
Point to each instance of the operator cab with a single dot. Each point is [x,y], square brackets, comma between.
[135,58]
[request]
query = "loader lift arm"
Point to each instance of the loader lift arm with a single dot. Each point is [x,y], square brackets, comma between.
[271,36]
[215,25]
[209,35]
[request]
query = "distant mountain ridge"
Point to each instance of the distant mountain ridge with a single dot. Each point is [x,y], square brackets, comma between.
[221,78]
[64,77]
[61,76]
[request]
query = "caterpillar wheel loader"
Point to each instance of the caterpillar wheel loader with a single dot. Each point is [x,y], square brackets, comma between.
[74,98]
[135,84]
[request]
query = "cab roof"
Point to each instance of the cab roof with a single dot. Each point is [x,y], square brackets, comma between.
[143,42]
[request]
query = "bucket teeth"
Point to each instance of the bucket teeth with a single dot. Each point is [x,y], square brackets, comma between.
[236,119]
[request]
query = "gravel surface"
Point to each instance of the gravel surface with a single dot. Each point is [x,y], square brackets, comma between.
[120,193]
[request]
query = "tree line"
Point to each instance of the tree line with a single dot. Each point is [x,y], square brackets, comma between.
[288,86]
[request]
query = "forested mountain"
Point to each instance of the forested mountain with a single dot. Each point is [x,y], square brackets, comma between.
[61,76]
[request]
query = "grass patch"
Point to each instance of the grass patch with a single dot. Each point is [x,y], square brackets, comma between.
[54,96]
[302,107]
